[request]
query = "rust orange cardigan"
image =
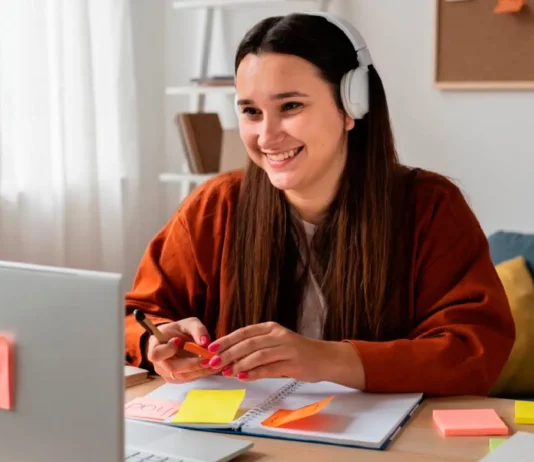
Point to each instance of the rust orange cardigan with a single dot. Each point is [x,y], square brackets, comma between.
[462,332]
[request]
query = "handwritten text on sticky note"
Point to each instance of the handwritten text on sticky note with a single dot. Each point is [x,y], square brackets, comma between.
[284,416]
[151,409]
[6,372]
[210,406]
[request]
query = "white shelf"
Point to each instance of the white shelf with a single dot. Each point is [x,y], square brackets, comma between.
[180,177]
[193,90]
[181,4]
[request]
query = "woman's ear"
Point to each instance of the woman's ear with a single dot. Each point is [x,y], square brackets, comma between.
[349,123]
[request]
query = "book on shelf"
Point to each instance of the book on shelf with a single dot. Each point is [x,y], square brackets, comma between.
[207,147]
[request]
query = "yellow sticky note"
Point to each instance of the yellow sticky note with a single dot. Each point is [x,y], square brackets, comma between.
[284,416]
[210,406]
[524,412]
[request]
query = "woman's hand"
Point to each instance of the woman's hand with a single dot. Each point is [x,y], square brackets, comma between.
[173,363]
[269,350]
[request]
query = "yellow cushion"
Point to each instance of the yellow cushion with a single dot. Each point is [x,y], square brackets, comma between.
[517,376]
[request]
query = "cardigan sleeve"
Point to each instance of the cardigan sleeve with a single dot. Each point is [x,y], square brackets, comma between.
[167,286]
[464,330]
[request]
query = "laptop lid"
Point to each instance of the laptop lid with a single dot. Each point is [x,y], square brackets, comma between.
[68,389]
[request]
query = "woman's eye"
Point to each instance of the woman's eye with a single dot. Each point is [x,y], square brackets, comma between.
[290,106]
[250,111]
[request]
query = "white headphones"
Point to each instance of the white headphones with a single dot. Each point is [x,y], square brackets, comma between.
[354,86]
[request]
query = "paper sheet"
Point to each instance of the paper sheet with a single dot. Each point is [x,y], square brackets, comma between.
[6,372]
[151,409]
[284,416]
[210,406]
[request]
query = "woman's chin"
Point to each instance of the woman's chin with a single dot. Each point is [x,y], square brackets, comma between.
[283,180]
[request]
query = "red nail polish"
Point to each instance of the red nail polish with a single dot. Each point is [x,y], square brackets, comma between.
[203,340]
[205,363]
[213,348]
[177,342]
[242,375]
[227,371]
[215,361]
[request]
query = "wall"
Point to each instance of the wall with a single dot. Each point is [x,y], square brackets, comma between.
[481,139]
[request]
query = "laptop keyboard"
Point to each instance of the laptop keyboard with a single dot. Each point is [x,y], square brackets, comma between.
[136,456]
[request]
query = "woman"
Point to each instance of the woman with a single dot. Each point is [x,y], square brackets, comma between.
[327,259]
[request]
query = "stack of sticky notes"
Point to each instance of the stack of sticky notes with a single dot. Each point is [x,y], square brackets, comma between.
[524,412]
[209,406]
[479,422]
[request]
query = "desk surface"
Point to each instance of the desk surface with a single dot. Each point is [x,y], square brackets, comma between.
[416,442]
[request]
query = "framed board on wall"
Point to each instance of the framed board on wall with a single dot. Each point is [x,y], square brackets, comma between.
[478,49]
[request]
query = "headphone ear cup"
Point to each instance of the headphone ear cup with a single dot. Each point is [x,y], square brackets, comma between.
[354,89]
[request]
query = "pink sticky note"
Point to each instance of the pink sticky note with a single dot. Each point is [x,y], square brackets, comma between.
[151,409]
[6,372]
[480,422]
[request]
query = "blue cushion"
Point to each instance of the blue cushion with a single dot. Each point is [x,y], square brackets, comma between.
[505,245]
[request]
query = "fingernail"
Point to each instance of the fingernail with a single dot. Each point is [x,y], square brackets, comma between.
[228,370]
[177,342]
[214,347]
[215,361]
[205,363]
[204,340]
[242,375]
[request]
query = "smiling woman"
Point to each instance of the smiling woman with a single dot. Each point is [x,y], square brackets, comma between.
[326,259]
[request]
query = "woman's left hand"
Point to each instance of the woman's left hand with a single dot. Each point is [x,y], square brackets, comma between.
[268,350]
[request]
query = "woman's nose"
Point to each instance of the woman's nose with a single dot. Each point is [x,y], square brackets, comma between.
[270,134]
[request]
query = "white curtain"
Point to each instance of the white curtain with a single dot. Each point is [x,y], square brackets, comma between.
[69,157]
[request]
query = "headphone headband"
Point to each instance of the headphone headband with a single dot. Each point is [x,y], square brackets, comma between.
[358,42]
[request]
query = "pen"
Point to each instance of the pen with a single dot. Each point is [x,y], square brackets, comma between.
[152,329]
[149,327]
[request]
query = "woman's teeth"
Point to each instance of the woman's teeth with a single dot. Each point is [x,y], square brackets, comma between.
[284,155]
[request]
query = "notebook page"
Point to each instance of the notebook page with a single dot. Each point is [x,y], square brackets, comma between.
[255,392]
[352,417]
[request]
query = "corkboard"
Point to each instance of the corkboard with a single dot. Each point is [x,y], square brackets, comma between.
[476,49]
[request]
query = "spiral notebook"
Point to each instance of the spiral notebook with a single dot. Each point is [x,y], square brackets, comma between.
[352,418]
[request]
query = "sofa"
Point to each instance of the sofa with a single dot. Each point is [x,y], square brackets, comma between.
[513,256]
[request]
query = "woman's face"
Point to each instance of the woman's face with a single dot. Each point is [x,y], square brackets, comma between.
[290,123]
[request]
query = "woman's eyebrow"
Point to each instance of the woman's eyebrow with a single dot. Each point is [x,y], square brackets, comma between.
[277,96]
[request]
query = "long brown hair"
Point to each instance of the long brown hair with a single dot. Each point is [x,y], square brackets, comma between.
[353,253]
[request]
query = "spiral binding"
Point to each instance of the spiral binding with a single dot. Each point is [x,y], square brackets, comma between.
[266,405]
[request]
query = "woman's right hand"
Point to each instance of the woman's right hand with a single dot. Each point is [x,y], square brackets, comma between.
[170,360]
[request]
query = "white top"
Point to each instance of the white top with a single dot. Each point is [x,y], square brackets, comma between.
[314,306]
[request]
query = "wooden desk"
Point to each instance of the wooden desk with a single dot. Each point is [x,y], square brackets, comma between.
[416,442]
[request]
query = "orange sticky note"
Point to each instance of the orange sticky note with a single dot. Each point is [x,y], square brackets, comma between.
[6,372]
[509,6]
[151,409]
[284,416]
[479,422]
[198,350]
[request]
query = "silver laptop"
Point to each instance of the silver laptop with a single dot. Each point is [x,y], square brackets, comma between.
[67,327]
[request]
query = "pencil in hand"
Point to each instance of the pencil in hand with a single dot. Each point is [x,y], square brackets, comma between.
[141,318]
